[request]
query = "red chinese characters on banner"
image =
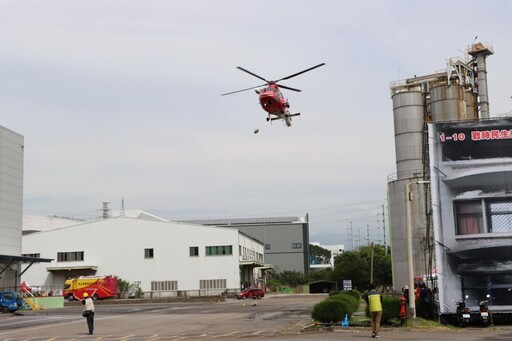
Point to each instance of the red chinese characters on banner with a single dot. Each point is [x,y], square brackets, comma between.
[503,134]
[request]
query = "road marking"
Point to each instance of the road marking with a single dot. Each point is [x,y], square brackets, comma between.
[53,325]
[43,318]
[228,334]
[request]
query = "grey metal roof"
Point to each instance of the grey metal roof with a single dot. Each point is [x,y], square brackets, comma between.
[242,221]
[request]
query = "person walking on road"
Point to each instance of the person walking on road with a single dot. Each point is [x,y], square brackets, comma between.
[88,312]
[374,301]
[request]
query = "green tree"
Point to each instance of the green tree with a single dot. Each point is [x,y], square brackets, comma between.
[351,265]
[356,266]
[292,278]
[322,275]
[323,255]
[382,272]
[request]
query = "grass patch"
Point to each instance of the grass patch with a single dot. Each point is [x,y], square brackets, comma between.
[419,323]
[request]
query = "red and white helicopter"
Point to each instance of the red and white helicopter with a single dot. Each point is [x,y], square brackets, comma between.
[271,98]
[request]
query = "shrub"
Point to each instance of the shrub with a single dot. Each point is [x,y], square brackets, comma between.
[348,300]
[390,308]
[353,293]
[329,310]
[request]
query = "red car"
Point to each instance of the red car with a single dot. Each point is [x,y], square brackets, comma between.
[254,293]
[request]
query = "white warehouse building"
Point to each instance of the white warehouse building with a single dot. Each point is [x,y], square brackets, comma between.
[183,259]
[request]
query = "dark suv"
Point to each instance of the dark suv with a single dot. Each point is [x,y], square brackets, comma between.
[254,293]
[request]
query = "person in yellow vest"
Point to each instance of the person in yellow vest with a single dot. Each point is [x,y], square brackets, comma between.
[374,301]
[88,312]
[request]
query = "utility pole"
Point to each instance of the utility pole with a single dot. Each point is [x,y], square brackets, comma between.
[351,235]
[384,229]
[105,210]
[368,233]
[123,213]
[371,266]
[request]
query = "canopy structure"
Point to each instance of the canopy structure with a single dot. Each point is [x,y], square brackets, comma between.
[69,268]
[11,259]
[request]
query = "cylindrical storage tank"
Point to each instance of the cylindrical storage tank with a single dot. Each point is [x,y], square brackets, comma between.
[398,220]
[448,103]
[471,105]
[408,113]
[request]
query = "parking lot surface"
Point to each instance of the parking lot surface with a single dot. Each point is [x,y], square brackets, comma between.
[271,318]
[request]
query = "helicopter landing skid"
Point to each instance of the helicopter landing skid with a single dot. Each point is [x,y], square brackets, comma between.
[282,117]
[287,118]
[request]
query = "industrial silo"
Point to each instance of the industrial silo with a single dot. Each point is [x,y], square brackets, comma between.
[448,103]
[409,109]
[398,218]
[409,115]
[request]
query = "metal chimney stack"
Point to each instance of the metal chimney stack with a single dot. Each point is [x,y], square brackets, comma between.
[480,52]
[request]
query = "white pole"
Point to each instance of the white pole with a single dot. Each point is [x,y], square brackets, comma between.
[410,273]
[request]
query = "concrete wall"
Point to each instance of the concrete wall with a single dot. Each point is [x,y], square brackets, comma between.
[11,204]
[42,303]
[11,192]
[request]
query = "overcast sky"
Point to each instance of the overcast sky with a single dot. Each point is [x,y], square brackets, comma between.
[121,99]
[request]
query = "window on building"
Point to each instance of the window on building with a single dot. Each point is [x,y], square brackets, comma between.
[148,253]
[219,250]
[194,251]
[267,246]
[205,284]
[499,216]
[70,256]
[35,255]
[296,245]
[164,285]
[469,217]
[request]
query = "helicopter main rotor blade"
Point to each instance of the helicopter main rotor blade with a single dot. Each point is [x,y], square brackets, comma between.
[288,88]
[299,73]
[253,74]
[234,92]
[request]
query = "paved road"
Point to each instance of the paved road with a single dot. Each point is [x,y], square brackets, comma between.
[279,318]
[270,316]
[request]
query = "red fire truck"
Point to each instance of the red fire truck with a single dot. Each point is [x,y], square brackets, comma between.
[98,287]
